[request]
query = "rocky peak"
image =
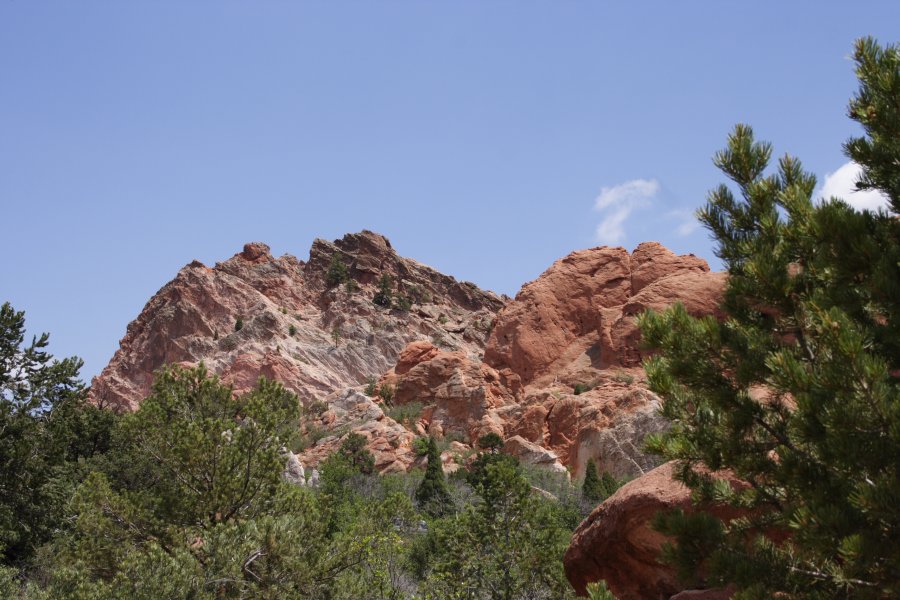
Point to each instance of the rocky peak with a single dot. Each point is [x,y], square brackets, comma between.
[255,314]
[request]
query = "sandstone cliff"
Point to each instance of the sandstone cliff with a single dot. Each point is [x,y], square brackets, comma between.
[294,327]
[556,371]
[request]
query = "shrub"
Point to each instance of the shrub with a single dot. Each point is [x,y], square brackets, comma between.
[490,442]
[405,413]
[623,377]
[292,331]
[386,391]
[384,295]
[371,387]
[581,388]
[239,324]
[404,303]
[337,270]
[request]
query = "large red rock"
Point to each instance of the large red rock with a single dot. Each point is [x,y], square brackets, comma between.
[616,542]
[295,328]
[558,310]
[578,317]
[460,396]
[573,326]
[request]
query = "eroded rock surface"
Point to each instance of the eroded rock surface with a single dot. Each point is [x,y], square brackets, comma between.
[617,543]
[256,315]
[556,372]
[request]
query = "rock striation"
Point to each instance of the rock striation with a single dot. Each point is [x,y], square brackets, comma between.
[256,315]
[556,371]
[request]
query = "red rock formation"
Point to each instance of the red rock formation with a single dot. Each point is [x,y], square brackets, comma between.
[339,338]
[617,544]
[575,324]
[460,396]
[578,316]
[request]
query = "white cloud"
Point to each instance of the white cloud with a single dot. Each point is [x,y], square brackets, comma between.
[842,184]
[687,221]
[617,202]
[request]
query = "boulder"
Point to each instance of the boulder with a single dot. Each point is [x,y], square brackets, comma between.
[616,542]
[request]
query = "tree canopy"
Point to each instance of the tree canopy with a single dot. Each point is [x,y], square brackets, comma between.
[795,392]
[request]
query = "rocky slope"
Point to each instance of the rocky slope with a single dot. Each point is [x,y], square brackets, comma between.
[556,371]
[295,328]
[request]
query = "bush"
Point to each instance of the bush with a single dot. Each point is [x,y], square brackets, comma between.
[403,303]
[371,387]
[405,413]
[292,330]
[581,388]
[386,392]
[490,442]
[239,323]
[337,270]
[384,295]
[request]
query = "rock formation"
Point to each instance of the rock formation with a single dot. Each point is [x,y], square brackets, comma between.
[556,372]
[616,542]
[255,315]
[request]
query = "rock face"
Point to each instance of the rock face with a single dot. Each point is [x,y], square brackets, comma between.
[255,315]
[616,542]
[574,329]
[556,372]
[581,311]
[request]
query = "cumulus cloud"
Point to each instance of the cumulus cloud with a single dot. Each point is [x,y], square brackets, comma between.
[617,203]
[842,184]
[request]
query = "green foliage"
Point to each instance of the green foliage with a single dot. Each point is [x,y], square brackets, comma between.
[599,591]
[406,414]
[592,488]
[385,294]
[48,432]
[432,495]
[353,450]
[597,488]
[795,391]
[337,270]
[351,287]
[292,330]
[386,392]
[239,323]
[490,442]
[212,456]
[581,388]
[623,377]
[403,303]
[371,387]
[508,546]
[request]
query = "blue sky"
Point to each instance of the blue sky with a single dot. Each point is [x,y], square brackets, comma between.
[480,137]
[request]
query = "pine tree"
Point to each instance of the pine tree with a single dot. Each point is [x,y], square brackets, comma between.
[796,390]
[47,432]
[337,270]
[592,488]
[432,494]
[384,296]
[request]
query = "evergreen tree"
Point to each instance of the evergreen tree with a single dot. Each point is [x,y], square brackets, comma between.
[796,390]
[46,431]
[337,270]
[432,494]
[385,294]
[592,488]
